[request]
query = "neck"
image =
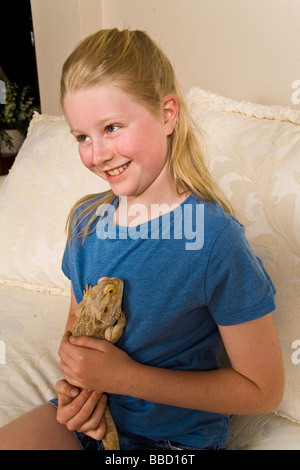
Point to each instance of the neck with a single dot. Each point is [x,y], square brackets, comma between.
[161,197]
[135,211]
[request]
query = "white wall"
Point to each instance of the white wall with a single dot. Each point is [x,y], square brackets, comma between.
[243,49]
[58,26]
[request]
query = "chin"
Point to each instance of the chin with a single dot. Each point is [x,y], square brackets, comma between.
[123,192]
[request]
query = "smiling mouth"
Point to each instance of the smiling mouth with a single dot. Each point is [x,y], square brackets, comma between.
[117,171]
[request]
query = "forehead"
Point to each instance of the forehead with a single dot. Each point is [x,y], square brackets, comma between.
[100,99]
[102,104]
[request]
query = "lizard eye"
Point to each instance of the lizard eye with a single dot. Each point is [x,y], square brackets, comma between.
[110,290]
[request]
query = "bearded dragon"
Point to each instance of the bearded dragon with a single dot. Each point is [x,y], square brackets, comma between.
[100,315]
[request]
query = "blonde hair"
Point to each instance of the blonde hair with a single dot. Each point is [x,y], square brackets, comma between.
[140,68]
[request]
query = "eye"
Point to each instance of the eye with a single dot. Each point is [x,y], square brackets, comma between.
[110,290]
[112,128]
[82,138]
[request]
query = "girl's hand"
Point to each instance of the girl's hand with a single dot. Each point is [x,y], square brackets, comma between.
[95,364]
[84,413]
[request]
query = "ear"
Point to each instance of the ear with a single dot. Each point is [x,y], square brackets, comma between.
[170,113]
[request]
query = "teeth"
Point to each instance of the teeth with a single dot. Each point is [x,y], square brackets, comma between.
[117,171]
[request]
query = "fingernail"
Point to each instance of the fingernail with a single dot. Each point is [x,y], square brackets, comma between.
[103,398]
[74,392]
[73,339]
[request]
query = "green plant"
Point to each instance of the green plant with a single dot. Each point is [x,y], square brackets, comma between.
[17,111]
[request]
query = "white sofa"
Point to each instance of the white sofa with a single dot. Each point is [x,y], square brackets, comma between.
[253,152]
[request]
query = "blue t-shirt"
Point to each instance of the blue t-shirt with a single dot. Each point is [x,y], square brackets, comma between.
[184,273]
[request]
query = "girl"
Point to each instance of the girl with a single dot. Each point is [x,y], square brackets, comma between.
[183,295]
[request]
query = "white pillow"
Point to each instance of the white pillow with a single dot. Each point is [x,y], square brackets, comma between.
[253,152]
[46,179]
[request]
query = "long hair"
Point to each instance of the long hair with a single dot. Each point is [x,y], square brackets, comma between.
[140,68]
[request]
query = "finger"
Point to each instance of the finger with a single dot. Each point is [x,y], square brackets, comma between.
[88,403]
[99,432]
[87,342]
[96,420]
[65,343]
[64,354]
[66,336]
[64,388]
[67,410]
[67,360]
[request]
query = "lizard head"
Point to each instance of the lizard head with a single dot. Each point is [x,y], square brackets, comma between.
[105,299]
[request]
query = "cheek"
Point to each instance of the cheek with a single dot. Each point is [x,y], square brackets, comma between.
[128,145]
[141,148]
[85,155]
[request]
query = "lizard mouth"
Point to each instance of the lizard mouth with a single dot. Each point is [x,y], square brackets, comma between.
[112,318]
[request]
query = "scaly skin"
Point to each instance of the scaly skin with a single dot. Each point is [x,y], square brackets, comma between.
[100,315]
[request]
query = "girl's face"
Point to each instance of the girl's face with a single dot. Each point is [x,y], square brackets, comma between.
[120,140]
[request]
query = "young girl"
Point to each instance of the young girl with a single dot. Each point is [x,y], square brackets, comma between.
[190,278]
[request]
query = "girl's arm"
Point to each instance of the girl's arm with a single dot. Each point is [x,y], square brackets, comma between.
[80,410]
[72,312]
[254,383]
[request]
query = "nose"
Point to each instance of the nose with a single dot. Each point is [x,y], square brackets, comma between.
[102,152]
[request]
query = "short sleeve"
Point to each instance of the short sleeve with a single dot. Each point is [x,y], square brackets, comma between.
[238,289]
[78,223]
[65,261]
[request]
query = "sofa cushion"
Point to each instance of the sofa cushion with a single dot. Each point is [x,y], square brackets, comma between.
[253,152]
[45,181]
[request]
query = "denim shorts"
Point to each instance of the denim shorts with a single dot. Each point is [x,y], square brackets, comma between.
[129,441]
